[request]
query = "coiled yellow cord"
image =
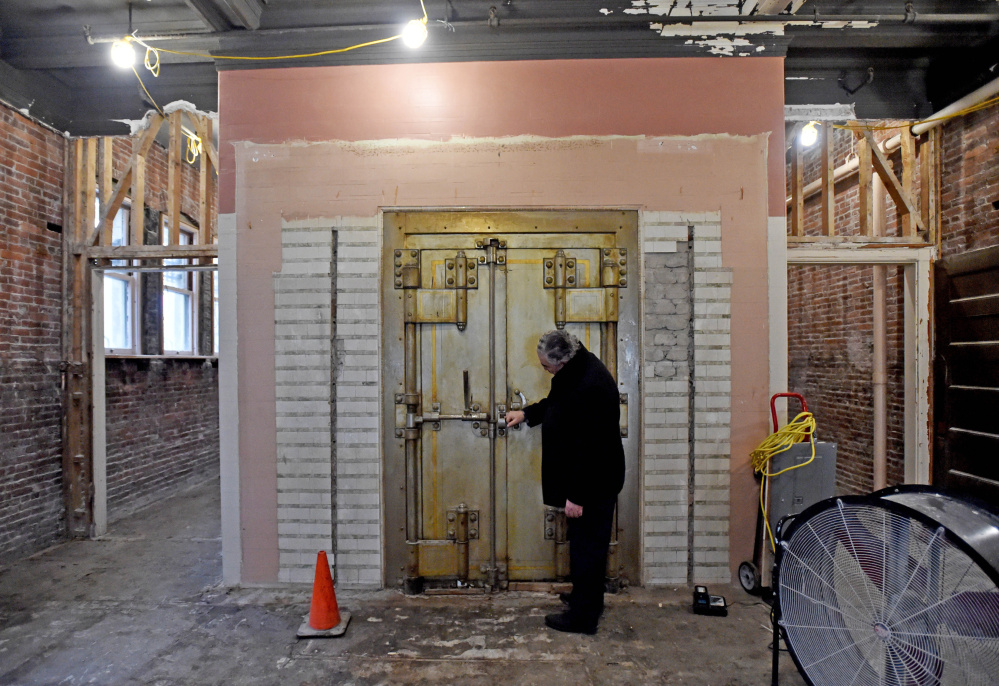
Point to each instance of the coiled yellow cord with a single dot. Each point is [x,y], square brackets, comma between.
[799,429]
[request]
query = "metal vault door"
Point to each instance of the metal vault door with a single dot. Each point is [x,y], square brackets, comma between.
[465,299]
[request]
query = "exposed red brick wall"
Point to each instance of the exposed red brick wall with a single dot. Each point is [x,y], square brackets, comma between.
[31,500]
[829,308]
[829,362]
[162,428]
[969,183]
[31,505]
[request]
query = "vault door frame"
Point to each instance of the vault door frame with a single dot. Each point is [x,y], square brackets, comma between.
[401,556]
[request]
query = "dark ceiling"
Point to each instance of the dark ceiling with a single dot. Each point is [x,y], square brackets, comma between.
[889,60]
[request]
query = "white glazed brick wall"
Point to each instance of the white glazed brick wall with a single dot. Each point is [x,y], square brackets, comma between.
[358,461]
[303,368]
[305,363]
[667,511]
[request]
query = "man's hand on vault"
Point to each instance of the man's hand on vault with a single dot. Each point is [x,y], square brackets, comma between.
[572,509]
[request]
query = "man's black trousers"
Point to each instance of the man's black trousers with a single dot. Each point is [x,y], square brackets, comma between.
[589,539]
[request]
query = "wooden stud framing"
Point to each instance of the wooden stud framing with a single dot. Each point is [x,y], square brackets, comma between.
[204,207]
[908,164]
[90,182]
[142,146]
[797,194]
[136,220]
[107,188]
[77,401]
[865,200]
[89,176]
[828,182]
[903,200]
[153,252]
[174,178]
[929,157]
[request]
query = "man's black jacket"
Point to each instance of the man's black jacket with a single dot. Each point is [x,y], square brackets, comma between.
[582,458]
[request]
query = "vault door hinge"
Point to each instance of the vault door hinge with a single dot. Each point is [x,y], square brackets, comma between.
[448,305]
[574,303]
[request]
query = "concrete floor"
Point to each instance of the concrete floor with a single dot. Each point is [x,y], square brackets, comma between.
[145,606]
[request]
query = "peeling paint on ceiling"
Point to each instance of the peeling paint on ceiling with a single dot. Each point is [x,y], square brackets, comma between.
[697,8]
[711,29]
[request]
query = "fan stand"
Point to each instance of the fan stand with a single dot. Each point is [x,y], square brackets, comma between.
[775,653]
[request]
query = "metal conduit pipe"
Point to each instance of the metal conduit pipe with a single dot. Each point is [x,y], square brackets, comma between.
[879,362]
[640,20]
[849,167]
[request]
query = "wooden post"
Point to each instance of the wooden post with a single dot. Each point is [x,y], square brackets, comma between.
[865,205]
[77,407]
[935,234]
[106,182]
[908,163]
[137,217]
[204,215]
[90,189]
[797,189]
[175,185]
[828,182]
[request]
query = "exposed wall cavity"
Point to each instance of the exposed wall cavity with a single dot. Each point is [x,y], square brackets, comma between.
[686,399]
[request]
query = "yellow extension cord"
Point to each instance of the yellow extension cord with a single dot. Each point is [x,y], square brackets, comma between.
[799,429]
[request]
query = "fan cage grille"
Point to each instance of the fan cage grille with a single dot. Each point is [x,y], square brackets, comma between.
[871,596]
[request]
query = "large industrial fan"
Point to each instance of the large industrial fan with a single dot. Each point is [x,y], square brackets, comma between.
[899,588]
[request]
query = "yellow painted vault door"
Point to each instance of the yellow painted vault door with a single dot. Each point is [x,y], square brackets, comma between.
[474,291]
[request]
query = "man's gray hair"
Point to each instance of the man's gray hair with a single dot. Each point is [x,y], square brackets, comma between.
[558,347]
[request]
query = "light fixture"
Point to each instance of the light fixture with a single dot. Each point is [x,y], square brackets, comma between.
[809,134]
[122,53]
[415,33]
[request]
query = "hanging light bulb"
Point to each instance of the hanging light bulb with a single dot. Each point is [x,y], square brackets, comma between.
[415,33]
[809,134]
[122,53]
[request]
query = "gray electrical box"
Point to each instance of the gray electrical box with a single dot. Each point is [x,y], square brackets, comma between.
[793,491]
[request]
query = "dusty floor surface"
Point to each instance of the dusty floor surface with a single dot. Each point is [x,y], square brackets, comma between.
[144,605]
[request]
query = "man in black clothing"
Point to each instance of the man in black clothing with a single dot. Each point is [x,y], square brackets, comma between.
[582,466]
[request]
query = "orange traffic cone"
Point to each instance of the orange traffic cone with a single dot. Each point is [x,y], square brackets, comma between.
[325,618]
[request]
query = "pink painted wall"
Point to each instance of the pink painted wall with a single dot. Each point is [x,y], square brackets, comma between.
[268,175]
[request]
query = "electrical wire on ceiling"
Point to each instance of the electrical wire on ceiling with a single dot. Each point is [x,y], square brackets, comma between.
[415,31]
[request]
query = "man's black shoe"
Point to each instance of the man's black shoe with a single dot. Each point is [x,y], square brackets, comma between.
[566,598]
[563,621]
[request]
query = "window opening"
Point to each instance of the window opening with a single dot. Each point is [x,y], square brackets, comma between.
[120,289]
[179,289]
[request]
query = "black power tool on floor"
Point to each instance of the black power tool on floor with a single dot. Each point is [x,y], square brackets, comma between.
[707,604]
